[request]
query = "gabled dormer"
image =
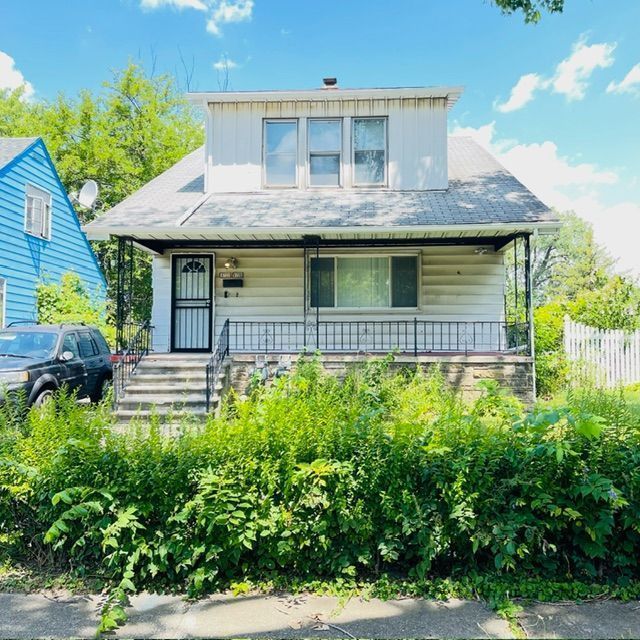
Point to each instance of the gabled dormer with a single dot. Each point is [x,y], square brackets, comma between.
[327,138]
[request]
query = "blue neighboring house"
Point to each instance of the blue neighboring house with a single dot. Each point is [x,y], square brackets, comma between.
[40,235]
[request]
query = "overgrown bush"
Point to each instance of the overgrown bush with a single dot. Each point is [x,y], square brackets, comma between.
[316,478]
[70,301]
[552,367]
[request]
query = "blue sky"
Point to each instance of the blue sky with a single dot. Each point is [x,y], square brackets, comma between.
[558,102]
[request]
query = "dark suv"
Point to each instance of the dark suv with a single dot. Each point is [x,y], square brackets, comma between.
[37,360]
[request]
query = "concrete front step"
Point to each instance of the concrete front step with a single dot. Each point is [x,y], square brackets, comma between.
[186,398]
[161,411]
[169,386]
[175,388]
[168,378]
[172,363]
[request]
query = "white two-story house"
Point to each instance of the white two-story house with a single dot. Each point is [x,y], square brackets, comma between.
[339,220]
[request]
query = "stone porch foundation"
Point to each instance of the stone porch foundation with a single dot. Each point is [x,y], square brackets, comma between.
[462,372]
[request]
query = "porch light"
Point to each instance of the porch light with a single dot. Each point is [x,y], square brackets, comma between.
[481,251]
[231,263]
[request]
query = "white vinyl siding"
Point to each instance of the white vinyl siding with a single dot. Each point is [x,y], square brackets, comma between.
[416,140]
[456,284]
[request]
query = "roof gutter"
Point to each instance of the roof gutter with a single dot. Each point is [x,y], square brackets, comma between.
[103,233]
[450,93]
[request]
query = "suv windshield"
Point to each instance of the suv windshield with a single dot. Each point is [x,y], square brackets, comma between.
[27,344]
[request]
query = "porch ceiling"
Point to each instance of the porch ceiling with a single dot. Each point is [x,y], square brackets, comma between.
[497,239]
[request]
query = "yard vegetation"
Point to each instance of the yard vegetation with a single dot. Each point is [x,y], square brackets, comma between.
[383,477]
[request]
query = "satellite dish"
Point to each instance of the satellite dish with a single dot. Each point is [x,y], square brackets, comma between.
[88,194]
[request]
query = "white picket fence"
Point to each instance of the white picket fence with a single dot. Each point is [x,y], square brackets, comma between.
[608,357]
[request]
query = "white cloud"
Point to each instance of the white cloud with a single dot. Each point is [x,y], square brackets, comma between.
[178,4]
[522,92]
[629,84]
[568,185]
[573,73]
[11,77]
[227,11]
[220,12]
[571,76]
[225,63]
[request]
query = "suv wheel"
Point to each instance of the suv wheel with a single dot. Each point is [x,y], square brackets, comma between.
[101,390]
[43,397]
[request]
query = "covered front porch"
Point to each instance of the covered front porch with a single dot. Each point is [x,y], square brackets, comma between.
[445,294]
[433,297]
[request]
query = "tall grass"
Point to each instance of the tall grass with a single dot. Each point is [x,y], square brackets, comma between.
[319,478]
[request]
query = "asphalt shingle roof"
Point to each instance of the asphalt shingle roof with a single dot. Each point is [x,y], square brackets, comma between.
[480,191]
[11,147]
[162,201]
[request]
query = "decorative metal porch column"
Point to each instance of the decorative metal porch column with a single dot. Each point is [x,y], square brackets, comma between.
[123,302]
[311,325]
[529,304]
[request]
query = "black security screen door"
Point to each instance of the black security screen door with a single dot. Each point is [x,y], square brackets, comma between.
[192,303]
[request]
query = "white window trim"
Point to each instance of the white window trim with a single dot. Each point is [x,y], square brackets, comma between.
[47,208]
[338,151]
[265,184]
[372,185]
[336,309]
[3,301]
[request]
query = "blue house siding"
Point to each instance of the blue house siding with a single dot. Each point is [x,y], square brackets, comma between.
[26,260]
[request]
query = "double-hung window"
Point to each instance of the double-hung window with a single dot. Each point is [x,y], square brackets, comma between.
[369,151]
[37,212]
[280,153]
[325,151]
[365,282]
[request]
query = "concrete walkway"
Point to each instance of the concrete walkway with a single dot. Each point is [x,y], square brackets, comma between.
[225,616]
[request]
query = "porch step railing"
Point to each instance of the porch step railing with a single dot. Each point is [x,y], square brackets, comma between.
[138,343]
[214,366]
[407,336]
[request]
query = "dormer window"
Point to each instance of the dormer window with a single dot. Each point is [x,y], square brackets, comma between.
[37,212]
[369,152]
[280,153]
[325,151]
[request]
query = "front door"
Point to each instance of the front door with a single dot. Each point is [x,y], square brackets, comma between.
[192,312]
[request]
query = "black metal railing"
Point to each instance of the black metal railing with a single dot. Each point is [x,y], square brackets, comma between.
[137,338]
[214,366]
[406,336]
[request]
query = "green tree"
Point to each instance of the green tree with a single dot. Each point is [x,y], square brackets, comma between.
[135,128]
[69,301]
[616,305]
[569,262]
[531,9]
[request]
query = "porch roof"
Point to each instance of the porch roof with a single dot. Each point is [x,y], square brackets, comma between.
[483,198]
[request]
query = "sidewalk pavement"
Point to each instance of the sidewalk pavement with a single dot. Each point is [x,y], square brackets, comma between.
[226,616]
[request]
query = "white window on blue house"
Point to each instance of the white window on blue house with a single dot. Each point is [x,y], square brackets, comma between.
[280,153]
[3,301]
[37,212]
[365,282]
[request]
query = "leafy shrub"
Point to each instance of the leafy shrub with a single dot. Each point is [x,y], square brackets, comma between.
[552,368]
[316,478]
[70,301]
